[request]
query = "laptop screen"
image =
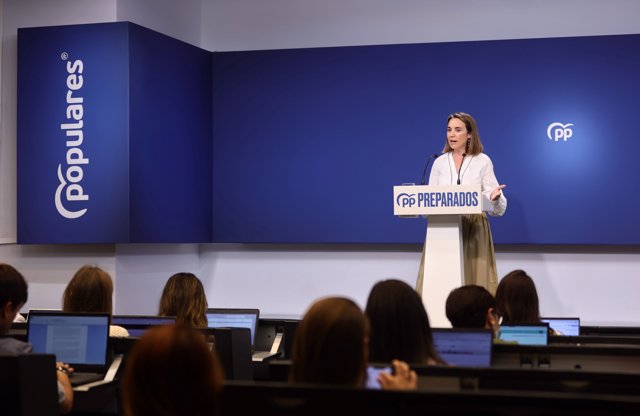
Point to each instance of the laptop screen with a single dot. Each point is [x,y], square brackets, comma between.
[525,334]
[464,347]
[234,318]
[564,326]
[77,339]
[137,325]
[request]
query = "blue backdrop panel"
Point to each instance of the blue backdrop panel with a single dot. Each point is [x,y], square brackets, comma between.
[45,85]
[307,144]
[170,129]
[145,157]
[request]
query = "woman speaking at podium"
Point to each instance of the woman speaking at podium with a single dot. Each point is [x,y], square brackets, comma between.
[463,163]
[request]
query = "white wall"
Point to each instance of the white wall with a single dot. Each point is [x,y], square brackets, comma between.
[283,280]
[279,24]
[178,19]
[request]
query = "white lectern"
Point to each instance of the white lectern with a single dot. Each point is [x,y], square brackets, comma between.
[443,263]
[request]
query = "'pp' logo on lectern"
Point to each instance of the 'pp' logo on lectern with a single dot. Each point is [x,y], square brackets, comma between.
[557,131]
[406,200]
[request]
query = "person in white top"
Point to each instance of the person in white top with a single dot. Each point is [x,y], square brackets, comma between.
[463,163]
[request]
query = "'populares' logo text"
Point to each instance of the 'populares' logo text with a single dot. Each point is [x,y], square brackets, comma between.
[70,174]
[557,131]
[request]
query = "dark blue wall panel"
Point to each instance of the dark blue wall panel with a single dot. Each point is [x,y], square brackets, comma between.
[304,146]
[43,58]
[308,143]
[147,117]
[170,127]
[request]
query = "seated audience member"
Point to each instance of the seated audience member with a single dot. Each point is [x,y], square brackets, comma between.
[331,347]
[472,306]
[399,325]
[517,299]
[13,294]
[183,297]
[172,371]
[91,290]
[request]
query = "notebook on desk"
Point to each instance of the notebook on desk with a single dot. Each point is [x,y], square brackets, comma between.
[525,334]
[242,318]
[79,340]
[564,326]
[464,347]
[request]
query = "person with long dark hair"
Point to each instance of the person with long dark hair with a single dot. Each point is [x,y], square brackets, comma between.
[331,346]
[517,299]
[399,325]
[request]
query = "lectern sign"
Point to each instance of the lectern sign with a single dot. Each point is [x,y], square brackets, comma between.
[429,200]
[443,249]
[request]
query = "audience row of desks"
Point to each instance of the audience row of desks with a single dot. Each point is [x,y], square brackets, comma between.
[583,375]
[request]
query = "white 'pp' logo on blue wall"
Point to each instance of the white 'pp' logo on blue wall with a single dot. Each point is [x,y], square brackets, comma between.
[557,131]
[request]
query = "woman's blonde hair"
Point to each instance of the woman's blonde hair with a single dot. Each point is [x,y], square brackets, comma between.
[183,297]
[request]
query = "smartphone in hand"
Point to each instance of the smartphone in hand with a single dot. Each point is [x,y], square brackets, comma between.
[372,375]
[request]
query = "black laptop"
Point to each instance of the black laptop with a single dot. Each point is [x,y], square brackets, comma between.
[78,339]
[241,318]
[464,347]
[136,325]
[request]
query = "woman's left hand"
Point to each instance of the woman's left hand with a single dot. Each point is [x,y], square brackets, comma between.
[495,195]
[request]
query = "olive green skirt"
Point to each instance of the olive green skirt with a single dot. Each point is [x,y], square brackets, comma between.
[479,256]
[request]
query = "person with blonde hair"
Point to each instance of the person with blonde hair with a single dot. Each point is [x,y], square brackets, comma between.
[183,297]
[91,290]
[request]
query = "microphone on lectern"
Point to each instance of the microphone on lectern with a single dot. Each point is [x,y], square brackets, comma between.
[424,172]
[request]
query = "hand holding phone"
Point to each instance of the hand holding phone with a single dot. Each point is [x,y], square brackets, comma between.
[403,377]
[373,371]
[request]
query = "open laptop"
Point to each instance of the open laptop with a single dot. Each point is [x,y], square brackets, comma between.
[525,334]
[242,318]
[564,326]
[79,340]
[136,325]
[470,347]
